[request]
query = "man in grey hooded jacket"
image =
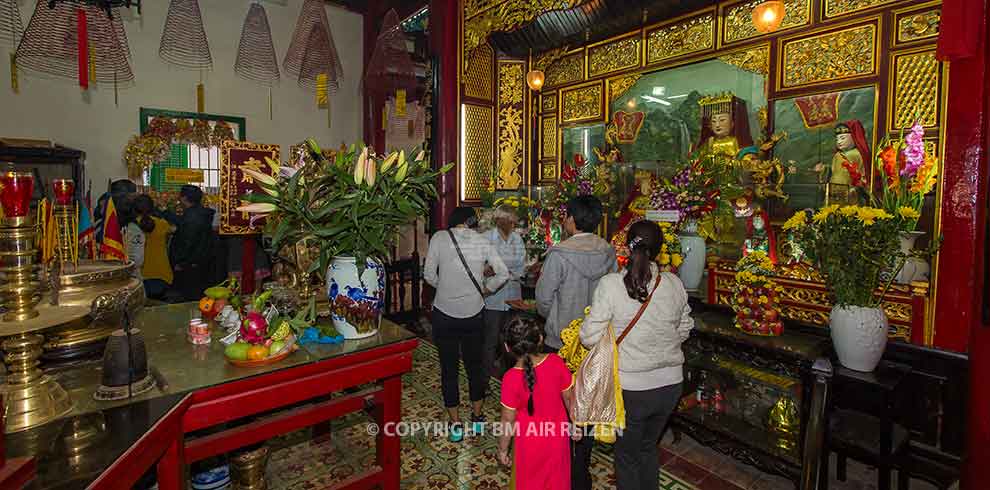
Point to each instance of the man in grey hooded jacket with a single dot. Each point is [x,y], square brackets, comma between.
[567,284]
[572,269]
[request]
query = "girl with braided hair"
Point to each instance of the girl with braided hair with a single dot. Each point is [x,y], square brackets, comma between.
[536,398]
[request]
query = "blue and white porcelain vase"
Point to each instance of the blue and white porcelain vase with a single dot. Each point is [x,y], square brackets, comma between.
[356,302]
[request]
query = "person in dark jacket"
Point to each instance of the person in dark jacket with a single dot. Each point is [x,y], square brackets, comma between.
[191,249]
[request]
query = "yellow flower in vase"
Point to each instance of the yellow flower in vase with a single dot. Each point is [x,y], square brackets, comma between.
[849,210]
[676,260]
[825,212]
[799,219]
[763,300]
[664,259]
[908,212]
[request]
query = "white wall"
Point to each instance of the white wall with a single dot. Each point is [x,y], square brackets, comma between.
[57,110]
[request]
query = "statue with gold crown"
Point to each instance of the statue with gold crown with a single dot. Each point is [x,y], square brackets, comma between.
[724,127]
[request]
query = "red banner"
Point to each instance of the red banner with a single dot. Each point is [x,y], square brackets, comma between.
[627,126]
[818,110]
[234,183]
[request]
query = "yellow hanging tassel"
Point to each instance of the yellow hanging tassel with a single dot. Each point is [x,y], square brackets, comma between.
[400,103]
[200,98]
[321,90]
[92,64]
[14,85]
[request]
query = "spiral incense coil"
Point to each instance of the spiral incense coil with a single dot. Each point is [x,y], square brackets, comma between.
[311,53]
[256,52]
[184,40]
[10,23]
[50,43]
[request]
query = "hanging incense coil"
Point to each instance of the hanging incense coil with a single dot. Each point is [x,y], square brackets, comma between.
[10,23]
[318,48]
[184,40]
[390,68]
[50,43]
[256,59]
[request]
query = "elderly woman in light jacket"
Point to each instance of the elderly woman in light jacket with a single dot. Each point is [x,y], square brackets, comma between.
[650,356]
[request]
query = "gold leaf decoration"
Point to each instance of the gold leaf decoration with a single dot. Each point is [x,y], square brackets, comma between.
[549,138]
[918,26]
[548,102]
[916,84]
[739,19]
[835,8]
[510,118]
[756,60]
[690,36]
[830,57]
[478,78]
[614,56]
[619,86]
[545,60]
[568,69]
[478,139]
[581,104]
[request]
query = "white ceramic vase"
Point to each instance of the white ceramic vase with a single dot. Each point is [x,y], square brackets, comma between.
[859,336]
[915,268]
[693,249]
[356,302]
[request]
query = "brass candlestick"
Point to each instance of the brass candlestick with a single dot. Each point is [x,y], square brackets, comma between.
[30,396]
[17,253]
[65,231]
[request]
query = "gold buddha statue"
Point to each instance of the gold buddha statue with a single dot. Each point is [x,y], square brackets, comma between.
[724,127]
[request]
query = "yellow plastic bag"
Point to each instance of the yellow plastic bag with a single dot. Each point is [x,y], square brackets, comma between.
[573,352]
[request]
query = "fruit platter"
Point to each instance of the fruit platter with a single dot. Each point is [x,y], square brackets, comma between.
[524,305]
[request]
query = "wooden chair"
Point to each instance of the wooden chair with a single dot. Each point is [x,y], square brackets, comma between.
[402,292]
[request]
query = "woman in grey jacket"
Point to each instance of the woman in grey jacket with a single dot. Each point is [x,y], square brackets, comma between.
[650,357]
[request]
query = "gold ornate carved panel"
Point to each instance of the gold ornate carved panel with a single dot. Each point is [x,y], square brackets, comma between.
[915,80]
[568,69]
[511,148]
[618,86]
[548,102]
[836,8]
[582,104]
[483,17]
[616,55]
[738,19]
[680,38]
[916,25]
[829,57]
[477,161]
[478,81]
[548,137]
[755,59]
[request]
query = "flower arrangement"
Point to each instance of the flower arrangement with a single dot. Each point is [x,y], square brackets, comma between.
[853,247]
[701,189]
[907,173]
[580,179]
[522,205]
[756,296]
[352,204]
[670,257]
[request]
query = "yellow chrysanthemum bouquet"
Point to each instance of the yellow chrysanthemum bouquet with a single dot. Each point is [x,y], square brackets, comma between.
[756,296]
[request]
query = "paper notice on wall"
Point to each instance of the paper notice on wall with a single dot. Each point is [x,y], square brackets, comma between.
[183,176]
[663,215]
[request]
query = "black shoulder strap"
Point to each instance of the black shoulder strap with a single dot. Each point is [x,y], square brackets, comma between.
[465,264]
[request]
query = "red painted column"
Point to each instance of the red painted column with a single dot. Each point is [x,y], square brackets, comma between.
[964,176]
[444,25]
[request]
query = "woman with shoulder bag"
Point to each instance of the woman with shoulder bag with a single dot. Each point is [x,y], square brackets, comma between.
[455,267]
[653,307]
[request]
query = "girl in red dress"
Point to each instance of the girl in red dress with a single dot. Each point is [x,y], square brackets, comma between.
[536,397]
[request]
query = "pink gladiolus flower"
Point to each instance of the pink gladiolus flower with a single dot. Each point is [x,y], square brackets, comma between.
[914,152]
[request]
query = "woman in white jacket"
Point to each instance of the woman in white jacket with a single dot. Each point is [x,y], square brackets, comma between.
[650,356]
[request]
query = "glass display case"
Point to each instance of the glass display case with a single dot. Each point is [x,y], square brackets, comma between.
[749,396]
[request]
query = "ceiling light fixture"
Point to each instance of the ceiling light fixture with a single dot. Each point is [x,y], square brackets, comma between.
[767,16]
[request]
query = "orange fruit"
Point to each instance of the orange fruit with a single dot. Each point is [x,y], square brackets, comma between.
[205,305]
[257,352]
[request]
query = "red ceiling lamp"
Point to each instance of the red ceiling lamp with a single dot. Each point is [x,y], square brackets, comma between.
[767,16]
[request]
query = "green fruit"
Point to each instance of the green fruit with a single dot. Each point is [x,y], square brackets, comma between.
[237,351]
[282,331]
[276,347]
[217,292]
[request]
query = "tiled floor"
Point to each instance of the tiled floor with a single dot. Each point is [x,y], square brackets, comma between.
[708,469]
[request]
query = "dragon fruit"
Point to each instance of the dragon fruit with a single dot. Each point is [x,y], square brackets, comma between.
[254,328]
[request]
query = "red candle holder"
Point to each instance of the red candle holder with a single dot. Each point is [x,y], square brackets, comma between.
[16,189]
[65,191]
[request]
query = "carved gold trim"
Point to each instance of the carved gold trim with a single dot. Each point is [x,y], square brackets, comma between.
[566,70]
[917,24]
[619,85]
[852,52]
[755,59]
[583,103]
[677,38]
[548,137]
[737,19]
[548,58]
[915,78]
[838,8]
[478,79]
[548,102]
[615,55]
[477,161]
[510,125]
